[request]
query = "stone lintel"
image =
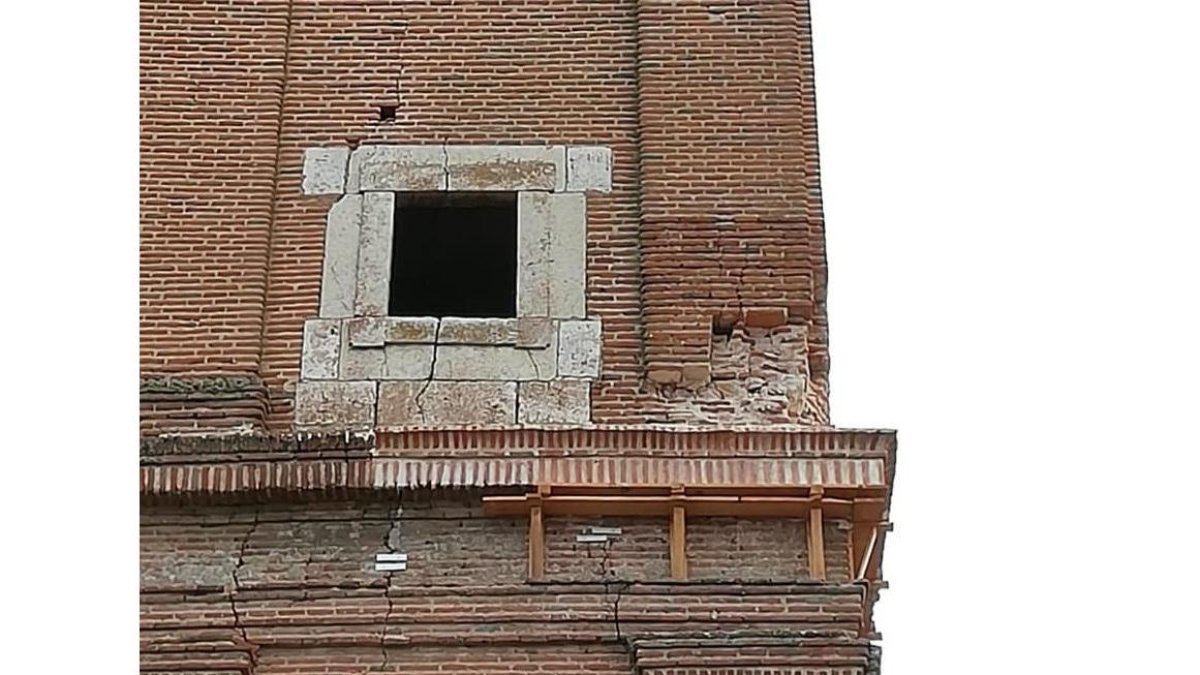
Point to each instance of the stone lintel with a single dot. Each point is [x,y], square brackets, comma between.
[510,168]
[397,168]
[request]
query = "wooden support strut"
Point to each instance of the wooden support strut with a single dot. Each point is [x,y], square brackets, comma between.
[537,535]
[816,537]
[678,534]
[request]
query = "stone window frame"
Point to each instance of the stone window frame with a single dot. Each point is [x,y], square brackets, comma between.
[550,350]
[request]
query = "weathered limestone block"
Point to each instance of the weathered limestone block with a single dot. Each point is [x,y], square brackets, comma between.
[366,331]
[534,332]
[557,402]
[436,403]
[506,167]
[388,362]
[376,331]
[418,330]
[319,353]
[335,405]
[360,363]
[325,170]
[589,169]
[340,272]
[471,331]
[374,254]
[400,168]
[552,248]
[579,349]
[407,362]
[478,362]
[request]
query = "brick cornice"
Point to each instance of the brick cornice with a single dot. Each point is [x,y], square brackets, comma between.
[232,465]
[528,441]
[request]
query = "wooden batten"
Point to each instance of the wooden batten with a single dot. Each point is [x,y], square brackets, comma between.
[816,537]
[537,537]
[678,536]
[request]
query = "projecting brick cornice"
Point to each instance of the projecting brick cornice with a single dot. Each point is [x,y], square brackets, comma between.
[602,456]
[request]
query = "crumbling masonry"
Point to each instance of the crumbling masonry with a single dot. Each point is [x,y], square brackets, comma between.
[631,469]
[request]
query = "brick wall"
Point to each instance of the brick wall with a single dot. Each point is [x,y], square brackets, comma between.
[272,587]
[450,542]
[707,106]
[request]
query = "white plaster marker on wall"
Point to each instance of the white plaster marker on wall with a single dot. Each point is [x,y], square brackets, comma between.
[391,562]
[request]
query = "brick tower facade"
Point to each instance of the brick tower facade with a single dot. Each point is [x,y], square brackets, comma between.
[491,337]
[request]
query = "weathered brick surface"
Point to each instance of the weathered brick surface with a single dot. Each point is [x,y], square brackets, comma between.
[707,108]
[704,268]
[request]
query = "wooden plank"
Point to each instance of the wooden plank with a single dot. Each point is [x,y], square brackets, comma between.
[816,539]
[642,505]
[678,537]
[860,538]
[537,539]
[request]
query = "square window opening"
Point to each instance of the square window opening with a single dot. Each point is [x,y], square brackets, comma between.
[454,254]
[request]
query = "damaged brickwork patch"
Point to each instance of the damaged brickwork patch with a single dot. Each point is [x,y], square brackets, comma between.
[758,376]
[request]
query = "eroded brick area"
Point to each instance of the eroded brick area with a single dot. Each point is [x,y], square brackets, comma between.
[755,375]
[633,472]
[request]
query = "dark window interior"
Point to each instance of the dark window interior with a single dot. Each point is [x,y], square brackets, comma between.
[455,254]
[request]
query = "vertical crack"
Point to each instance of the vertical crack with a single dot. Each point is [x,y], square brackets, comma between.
[620,586]
[445,166]
[237,587]
[432,369]
[537,372]
[390,540]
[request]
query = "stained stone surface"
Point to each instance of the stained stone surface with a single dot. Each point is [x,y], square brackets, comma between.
[579,349]
[339,274]
[325,170]
[534,332]
[374,254]
[322,345]
[589,169]
[335,405]
[506,167]
[470,331]
[418,330]
[400,168]
[366,331]
[361,363]
[557,402]
[407,362]
[552,250]
[435,402]
[477,362]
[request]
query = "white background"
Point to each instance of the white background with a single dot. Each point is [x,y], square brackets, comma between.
[1012,197]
